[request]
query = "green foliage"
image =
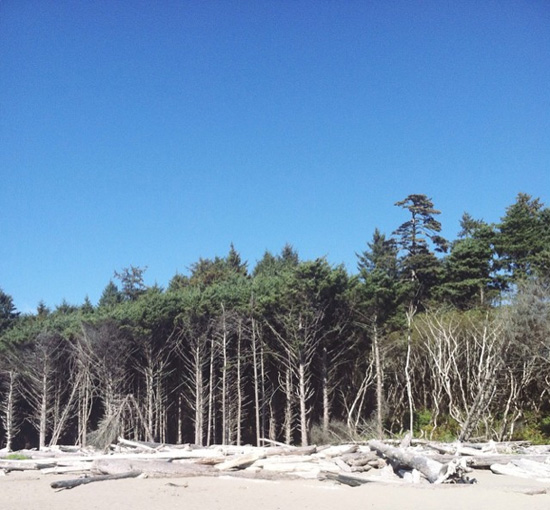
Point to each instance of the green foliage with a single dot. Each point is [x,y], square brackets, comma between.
[16,456]
[469,278]
[447,429]
[523,241]
[419,238]
[132,283]
[534,427]
[143,338]
[110,296]
[8,313]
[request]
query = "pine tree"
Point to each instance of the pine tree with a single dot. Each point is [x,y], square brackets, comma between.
[131,280]
[110,296]
[416,237]
[523,241]
[8,313]
[469,279]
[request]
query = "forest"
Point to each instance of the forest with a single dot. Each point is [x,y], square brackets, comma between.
[445,339]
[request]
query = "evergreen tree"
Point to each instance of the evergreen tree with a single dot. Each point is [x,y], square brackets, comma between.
[206,272]
[523,241]
[416,237]
[378,269]
[131,280]
[42,310]
[8,312]
[87,306]
[110,296]
[469,280]
[178,282]
[270,264]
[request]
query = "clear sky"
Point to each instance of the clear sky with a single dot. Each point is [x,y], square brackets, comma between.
[154,133]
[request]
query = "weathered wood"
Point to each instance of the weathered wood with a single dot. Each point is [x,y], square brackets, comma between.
[523,468]
[346,479]
[342,465]
[70,484]
[140,445]
[26,465]
[239,462]
[78,467]
[486,461]
[434,471]
[360,459]
[292,450]
[153,468]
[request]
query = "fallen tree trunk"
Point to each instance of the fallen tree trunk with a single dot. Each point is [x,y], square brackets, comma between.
[239,461]
[70,484]
[434,471]
[153,468]
[486,461]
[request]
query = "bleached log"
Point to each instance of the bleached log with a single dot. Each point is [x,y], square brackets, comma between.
[140,445]
[270,441]
[26,465]
[78,467]
[513,470]
[487,461]
[523,468]
[539,468]
[70,484]
[152,468]
[298,467]
[360,459]
[337,451]
[360,469]
[342,465]
[289,451]
[239,462]
[434,471]
[293,459]
[346,479]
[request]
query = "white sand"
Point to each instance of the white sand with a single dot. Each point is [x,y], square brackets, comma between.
[32,491]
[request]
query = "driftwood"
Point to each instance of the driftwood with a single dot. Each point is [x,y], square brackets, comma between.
[152,468]
[346,463]
[240,462]
[524,468]
[434,471]
[487,461]
[70,484]
[346,479]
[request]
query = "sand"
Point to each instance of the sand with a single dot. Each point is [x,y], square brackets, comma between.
[30,490]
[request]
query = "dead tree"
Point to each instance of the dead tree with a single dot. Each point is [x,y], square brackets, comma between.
[7,407]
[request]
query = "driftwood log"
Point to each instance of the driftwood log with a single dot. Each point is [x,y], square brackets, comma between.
[434,471]
[70,484]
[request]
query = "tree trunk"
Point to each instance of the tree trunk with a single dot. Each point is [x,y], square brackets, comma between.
[410,315]
[43,411]
[224,378]
[199,410]
[379,379]
[8,410]
[303,396]
[326,402]
[239,387]
[259,431]
[288,406]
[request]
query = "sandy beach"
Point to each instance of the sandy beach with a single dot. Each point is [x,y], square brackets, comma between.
[31,491]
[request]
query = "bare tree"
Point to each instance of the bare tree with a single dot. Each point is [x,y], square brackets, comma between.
[7,407]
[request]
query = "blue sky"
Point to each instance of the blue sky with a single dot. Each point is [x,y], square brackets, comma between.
[154,133]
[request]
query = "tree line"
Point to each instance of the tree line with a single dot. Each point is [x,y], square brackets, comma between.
[443,339]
